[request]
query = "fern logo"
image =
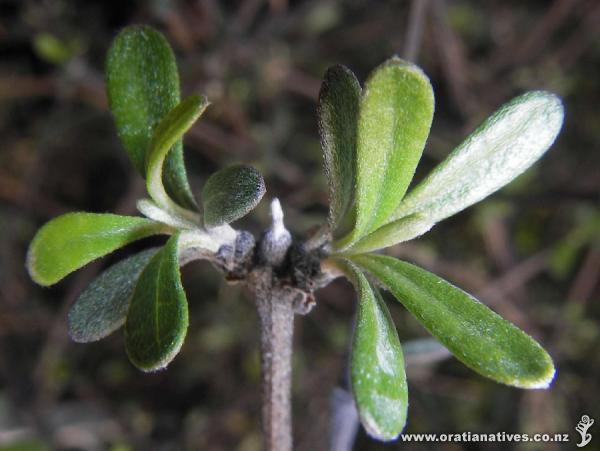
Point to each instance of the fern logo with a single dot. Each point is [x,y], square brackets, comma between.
[582,427]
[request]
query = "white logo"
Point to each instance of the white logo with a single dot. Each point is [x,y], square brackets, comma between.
[582,427]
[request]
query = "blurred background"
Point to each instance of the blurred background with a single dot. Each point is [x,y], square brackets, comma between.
[530,251]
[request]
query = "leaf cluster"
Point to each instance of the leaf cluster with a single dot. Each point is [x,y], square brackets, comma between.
[372,140]
[144,292]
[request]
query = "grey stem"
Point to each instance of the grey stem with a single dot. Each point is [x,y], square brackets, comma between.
[276,313]
[275,305]
[344,420]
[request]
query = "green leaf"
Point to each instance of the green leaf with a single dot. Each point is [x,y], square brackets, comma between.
[377,364]
[143,86]
[54,50]
[476,335]
[231,193]
[102,307]
[502,148]
[395,232]
[395,116]
[170,130]
[157,319]
[338,122]
[71,241]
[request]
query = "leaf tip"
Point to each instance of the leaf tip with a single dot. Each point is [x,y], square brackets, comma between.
[200,100]
[551,103]
[77,333]
[154,365]
[543,381]
[395,62]
[149,368]
[31,266]
[373,428]
[337,72]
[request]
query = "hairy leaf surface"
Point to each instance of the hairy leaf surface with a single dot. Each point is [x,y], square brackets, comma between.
[157,318]
[338,122]
[68,242]
[502,148]
[231,193]
[102,307]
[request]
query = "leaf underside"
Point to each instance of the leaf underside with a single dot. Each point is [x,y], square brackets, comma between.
[102,307]
[157,318]
[396,111]
[231,193]
[476,335]
[502,148]
[337,111]
[143,86]
[70,241]
[377,364]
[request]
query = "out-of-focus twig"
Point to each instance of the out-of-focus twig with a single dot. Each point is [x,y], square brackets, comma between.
[587,278]
[523,50]
[245,16]
[453,60]
[517,276]
[344,420]
[583,36]
[414,31]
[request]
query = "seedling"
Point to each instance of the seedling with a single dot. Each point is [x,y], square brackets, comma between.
[372,140]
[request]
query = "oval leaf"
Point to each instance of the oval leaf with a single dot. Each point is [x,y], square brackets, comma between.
[502,148]
[102,307]
[71,241]
[338,121]
[143,86]
[157,318]
[393,233]
[231,193]
[377,364]
[396,110]
[170,130]
[476,335]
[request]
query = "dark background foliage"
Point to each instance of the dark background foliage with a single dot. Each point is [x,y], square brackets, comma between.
[531,251]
